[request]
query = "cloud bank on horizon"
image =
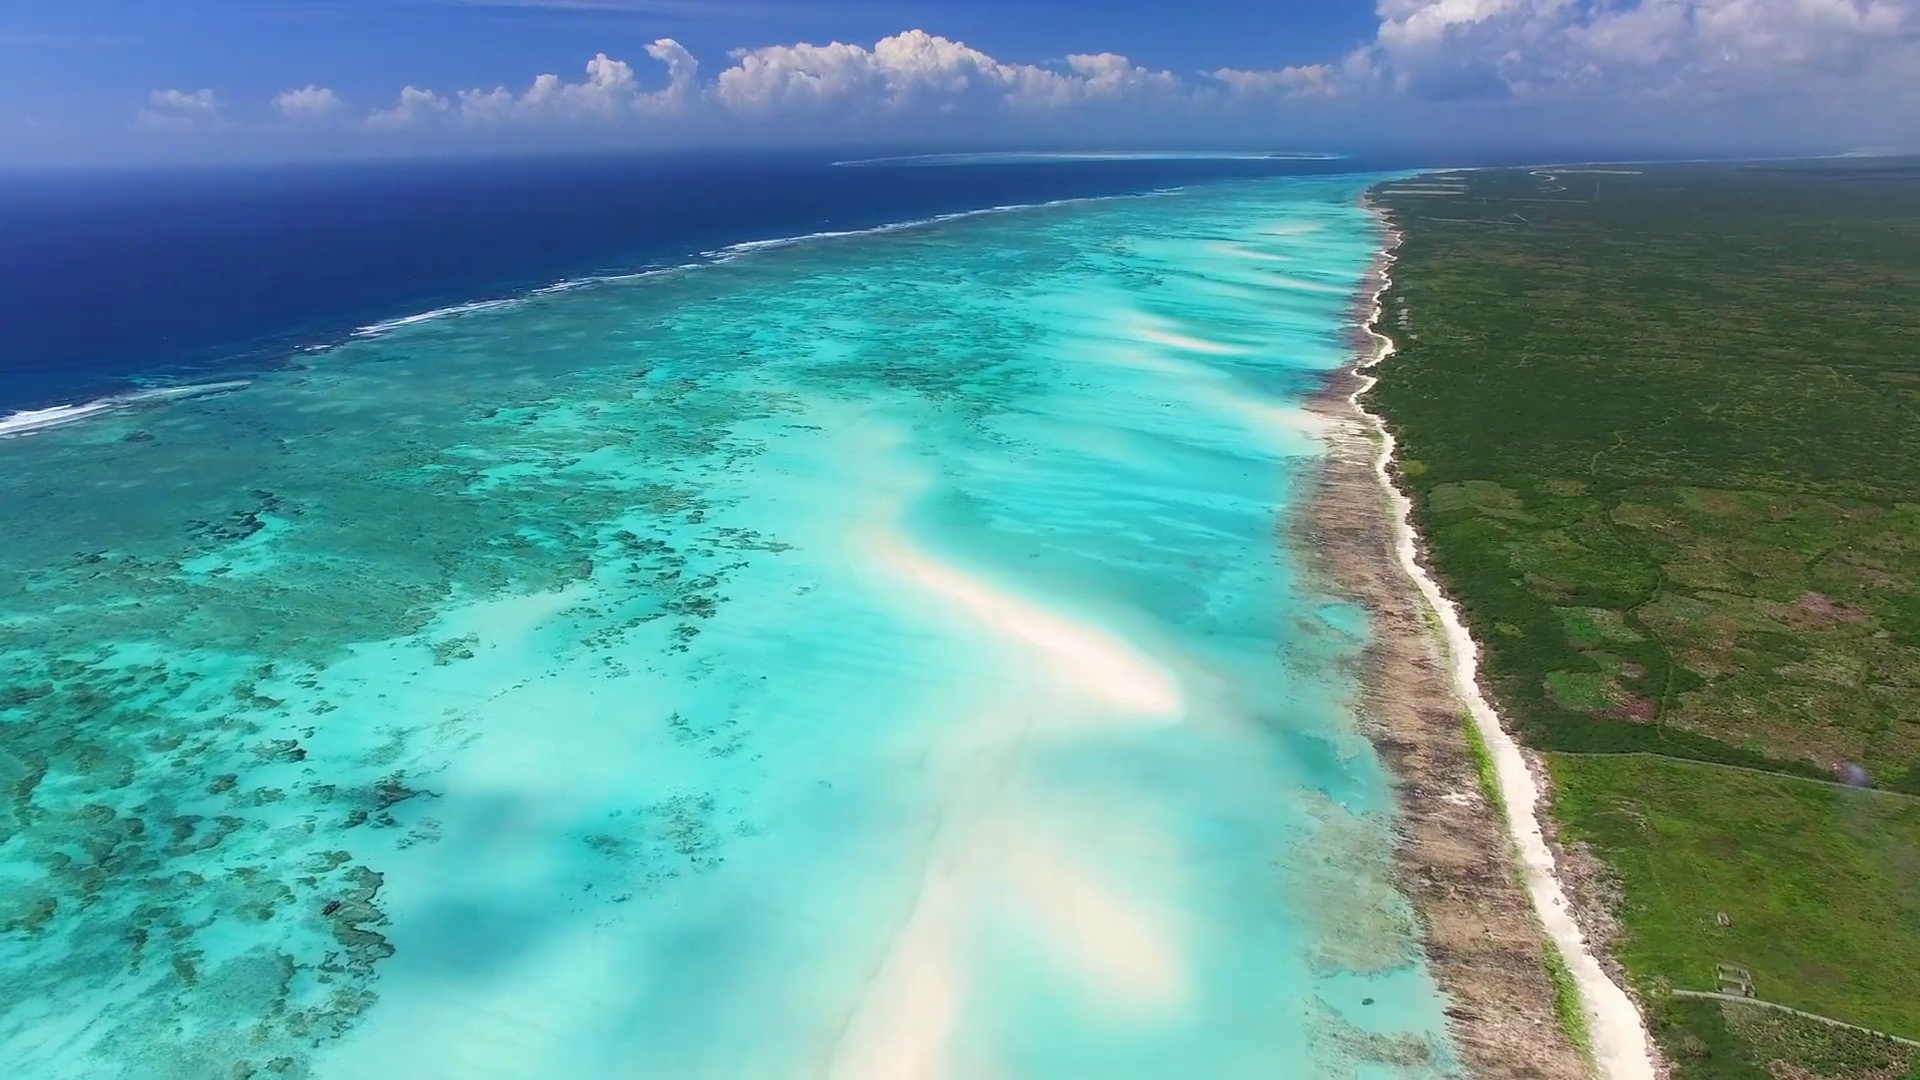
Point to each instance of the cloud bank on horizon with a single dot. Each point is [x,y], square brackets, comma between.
[1854,59]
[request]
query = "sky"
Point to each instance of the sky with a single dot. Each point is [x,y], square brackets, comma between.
[162,80]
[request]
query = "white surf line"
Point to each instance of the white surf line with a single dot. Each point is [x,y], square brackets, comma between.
[30,421]
[1619,1035]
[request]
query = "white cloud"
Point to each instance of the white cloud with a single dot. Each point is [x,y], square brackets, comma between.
[1651,61]
[1700,49]
[488,106]
[308,103]
[179,110]
[1813,66]
[415,107]
[916,68]
[1106,76]
[609,92]
[1310,80]
[607,89]
[683,76]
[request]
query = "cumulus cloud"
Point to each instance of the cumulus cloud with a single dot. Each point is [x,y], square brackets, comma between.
[1857,59]
[683,76]
[308,103]
[1310,80]
[609,92]
[1806,69]
[916,68]
[415,107]
[1707,49]
[1106,76]
[179,110]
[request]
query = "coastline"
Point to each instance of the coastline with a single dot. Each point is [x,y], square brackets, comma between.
[1487,938]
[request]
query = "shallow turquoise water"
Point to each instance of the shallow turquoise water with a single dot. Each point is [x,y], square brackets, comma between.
[875,657]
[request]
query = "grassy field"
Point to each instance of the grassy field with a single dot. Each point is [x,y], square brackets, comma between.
[1820,883]
[1712,1040]
[1661,426]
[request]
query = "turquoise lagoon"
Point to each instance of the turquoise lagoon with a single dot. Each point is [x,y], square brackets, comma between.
[871,657]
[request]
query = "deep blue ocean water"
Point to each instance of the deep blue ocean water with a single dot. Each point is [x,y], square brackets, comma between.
[111,277]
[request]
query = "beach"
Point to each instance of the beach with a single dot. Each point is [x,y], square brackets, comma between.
[1487,930]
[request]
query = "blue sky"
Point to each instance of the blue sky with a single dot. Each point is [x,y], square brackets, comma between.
[115,79]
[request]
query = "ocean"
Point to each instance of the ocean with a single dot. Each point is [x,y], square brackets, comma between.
[690,621]
[118,278]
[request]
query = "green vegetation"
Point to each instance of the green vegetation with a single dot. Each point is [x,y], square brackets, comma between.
[1819,883]
[1660,426]
[1566,1002]
[1721,1040]
[1484,768]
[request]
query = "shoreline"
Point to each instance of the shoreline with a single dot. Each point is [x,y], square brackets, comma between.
[1486,936]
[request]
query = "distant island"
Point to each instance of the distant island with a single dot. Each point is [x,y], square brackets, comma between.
[1041,157]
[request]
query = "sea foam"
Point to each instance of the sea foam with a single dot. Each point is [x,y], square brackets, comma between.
[29,421]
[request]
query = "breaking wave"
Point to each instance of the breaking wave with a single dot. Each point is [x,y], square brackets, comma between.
[29,421]
[733,251]
[708,258]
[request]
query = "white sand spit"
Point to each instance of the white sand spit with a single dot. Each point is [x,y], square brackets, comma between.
[986,857]
[1190,344]
[1117,945]
[1620,1041]
[1242,251]
[906,1020]
[1091,660]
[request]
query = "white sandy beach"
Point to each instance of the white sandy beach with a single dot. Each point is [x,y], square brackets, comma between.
[1619,1035]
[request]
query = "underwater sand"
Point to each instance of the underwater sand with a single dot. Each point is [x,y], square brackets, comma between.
[875,657]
